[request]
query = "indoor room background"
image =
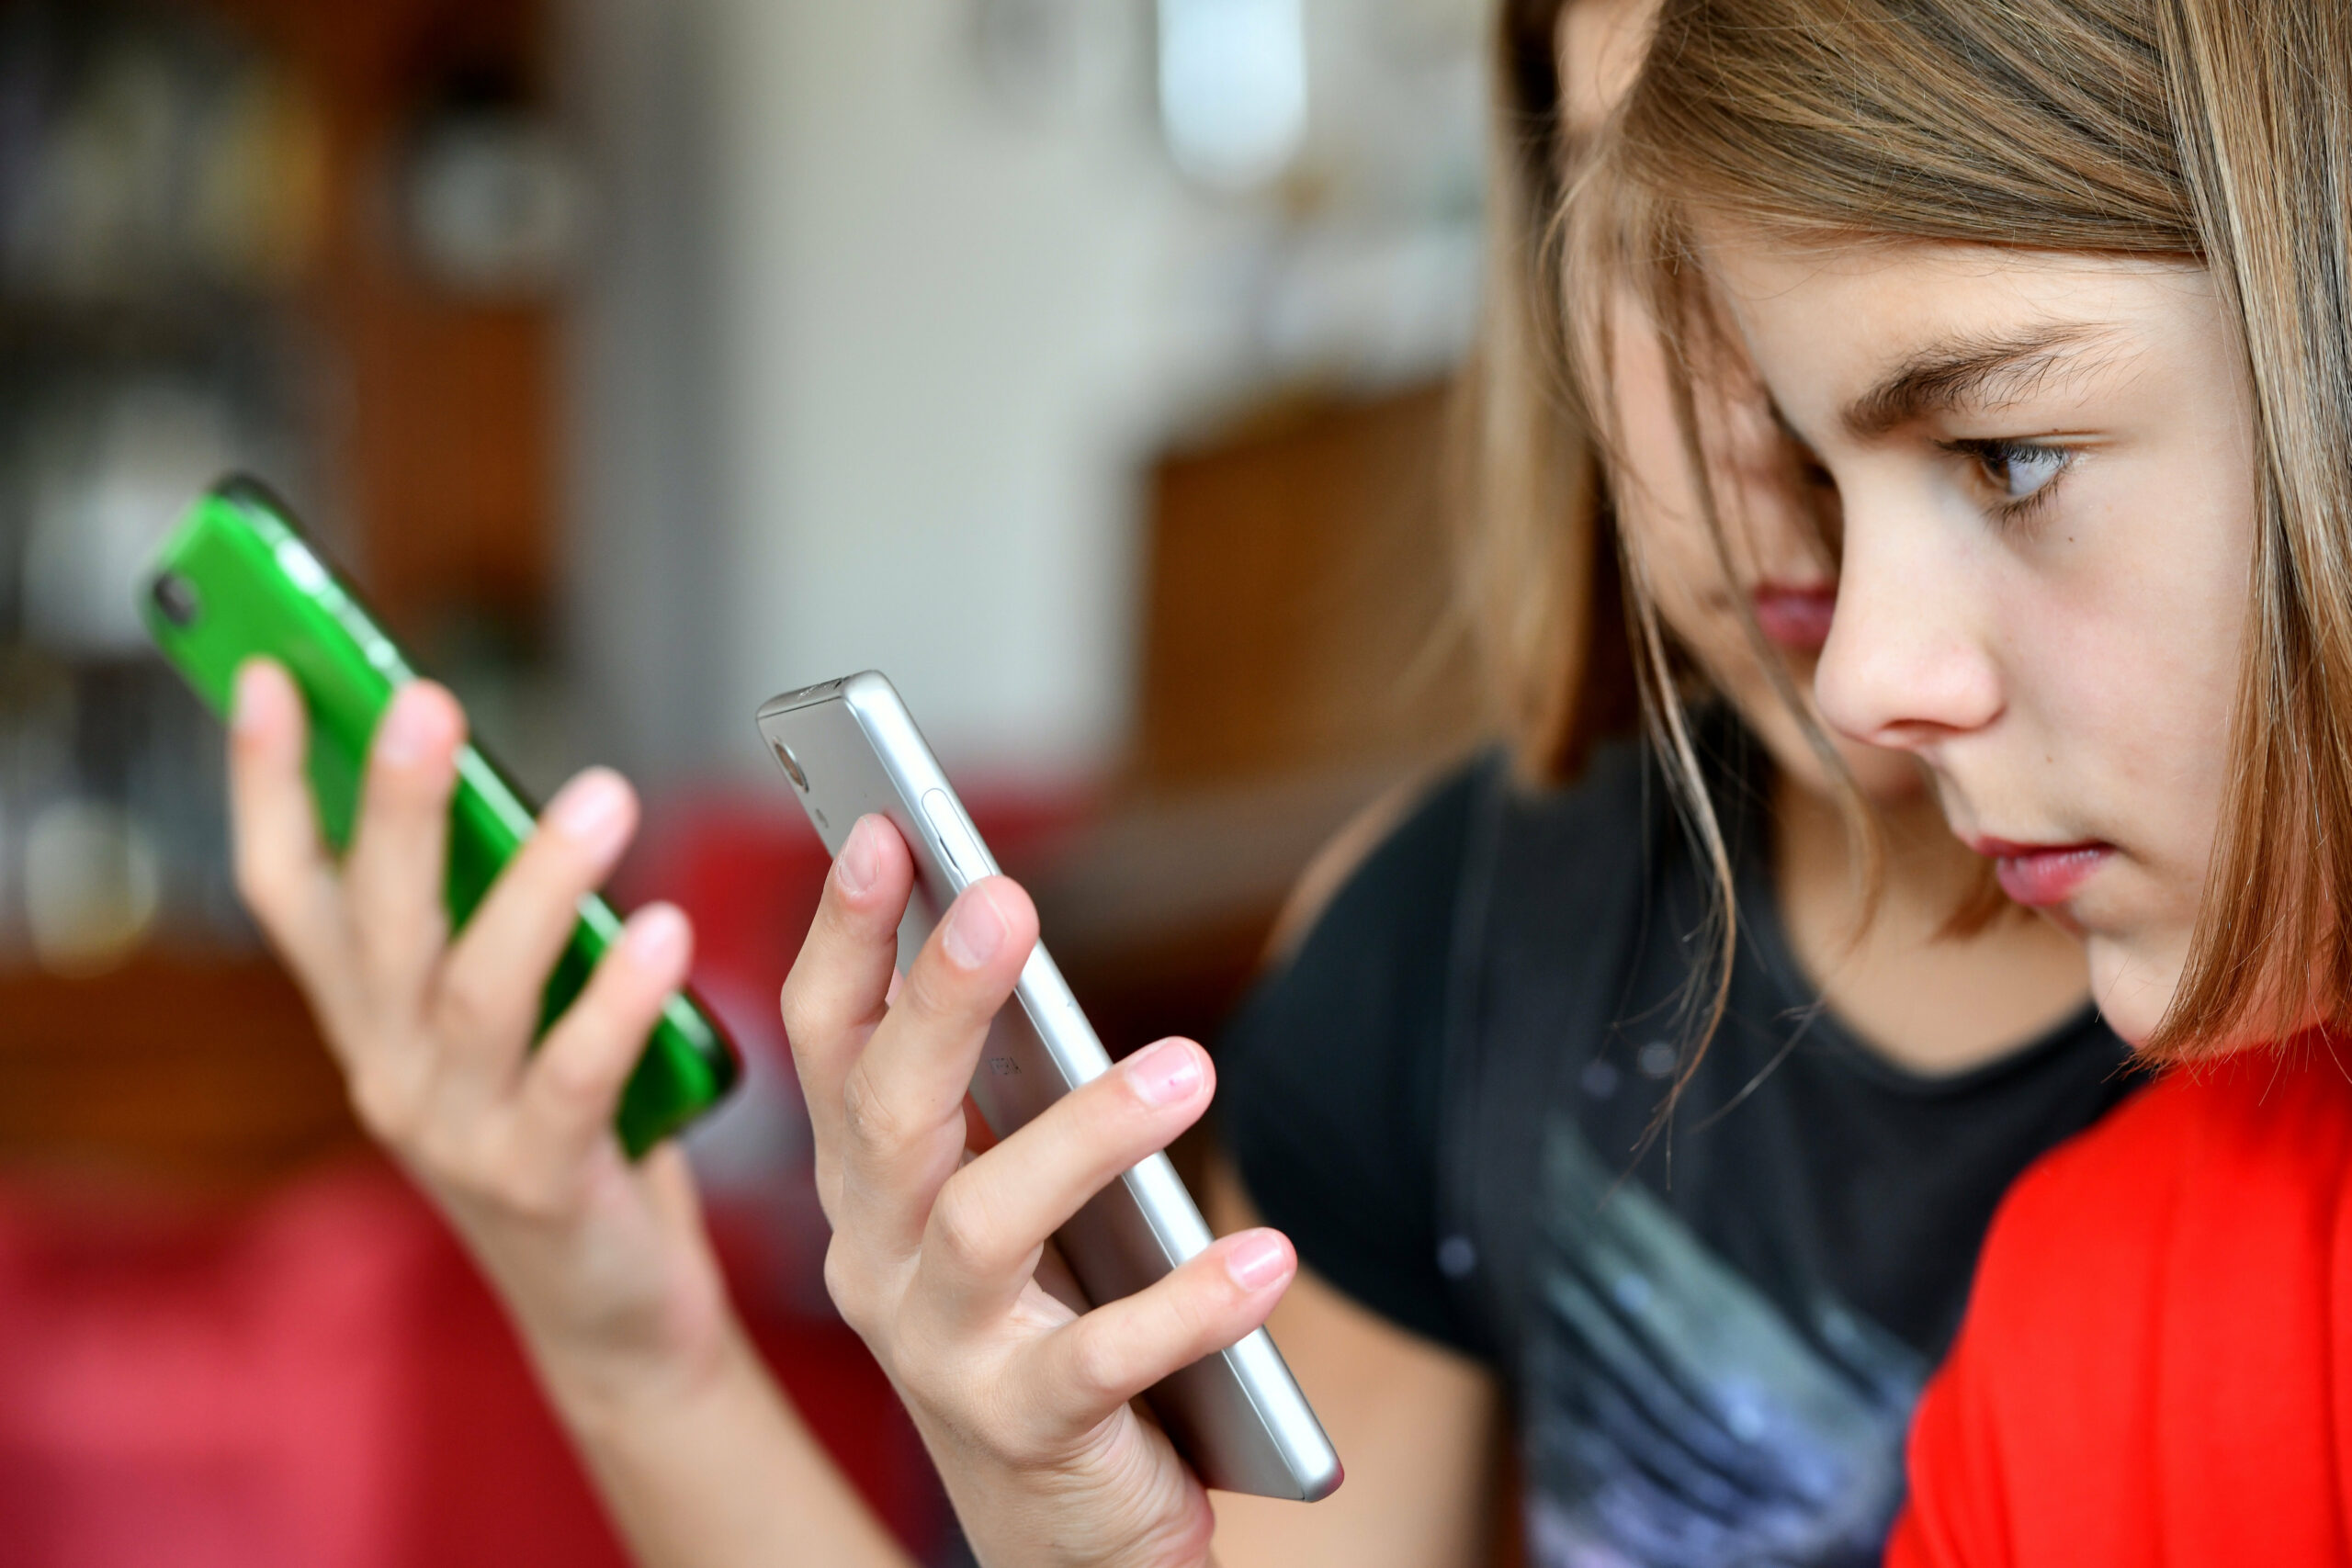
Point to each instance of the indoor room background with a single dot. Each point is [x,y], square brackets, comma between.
[1082,364]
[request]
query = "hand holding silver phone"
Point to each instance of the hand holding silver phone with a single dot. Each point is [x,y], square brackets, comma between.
[851,750]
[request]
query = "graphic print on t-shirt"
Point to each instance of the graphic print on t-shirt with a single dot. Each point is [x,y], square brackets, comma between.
[1677,1417]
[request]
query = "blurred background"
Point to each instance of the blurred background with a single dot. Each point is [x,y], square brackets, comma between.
[1083,363]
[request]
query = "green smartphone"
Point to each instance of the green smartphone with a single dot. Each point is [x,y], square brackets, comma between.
[237,580]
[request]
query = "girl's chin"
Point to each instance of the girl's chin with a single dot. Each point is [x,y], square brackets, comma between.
[2131,993]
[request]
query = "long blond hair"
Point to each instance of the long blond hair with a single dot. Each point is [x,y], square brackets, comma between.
[2218,130]
[1536,544]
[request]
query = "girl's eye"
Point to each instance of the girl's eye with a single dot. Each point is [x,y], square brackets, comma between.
[2018,470]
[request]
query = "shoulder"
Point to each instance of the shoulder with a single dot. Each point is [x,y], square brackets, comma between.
[1357,993]
[2085,1223]
[1328,1074]
[1405,849]
[2206,1152]
[2153,1302]
[1376,922]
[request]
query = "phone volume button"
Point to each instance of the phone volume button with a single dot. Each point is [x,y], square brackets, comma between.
[946,825]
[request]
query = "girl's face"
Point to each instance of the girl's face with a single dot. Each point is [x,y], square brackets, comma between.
[2044,465]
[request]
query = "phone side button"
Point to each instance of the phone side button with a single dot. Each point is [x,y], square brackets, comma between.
[946,825]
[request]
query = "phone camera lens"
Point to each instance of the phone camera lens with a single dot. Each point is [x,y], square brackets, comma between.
[791,765]
[176,596]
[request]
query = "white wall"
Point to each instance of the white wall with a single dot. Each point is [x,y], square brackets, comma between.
[873,352]
[939,317]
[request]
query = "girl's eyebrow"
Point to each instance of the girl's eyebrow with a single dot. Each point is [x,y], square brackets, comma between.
[1966,372]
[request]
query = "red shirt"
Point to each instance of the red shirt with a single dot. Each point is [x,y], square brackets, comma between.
[2156,1366]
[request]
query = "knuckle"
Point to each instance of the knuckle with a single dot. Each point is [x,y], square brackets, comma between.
[1024,1439]
[470,1007]
[931,994]
[800,1026]
[1096,1365]
[962,1229]
[386,1105]
[846,1283]
[1190,1315]
[871,1121]
[261,878]
[1108,1111]
[575,1078]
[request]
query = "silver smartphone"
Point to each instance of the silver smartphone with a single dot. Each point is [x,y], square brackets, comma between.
[851,750]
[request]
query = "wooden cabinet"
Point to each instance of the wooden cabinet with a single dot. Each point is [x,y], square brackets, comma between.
[205,1075]
[1300,658]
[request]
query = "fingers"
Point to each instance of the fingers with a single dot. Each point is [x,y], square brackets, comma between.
[392,878]
[574,1085]
[902,1100]
[488,1002]
[846,975]
[283,871]
[982,1241]
[1100,1361]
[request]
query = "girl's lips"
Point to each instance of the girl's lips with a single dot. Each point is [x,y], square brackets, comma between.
[2039,875]
[1793,617]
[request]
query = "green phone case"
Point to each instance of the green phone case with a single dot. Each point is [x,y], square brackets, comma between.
[237,580]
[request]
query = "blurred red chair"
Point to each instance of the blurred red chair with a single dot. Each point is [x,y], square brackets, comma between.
[323,1380]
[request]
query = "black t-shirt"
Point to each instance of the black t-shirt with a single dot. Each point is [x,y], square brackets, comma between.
[1713,1336]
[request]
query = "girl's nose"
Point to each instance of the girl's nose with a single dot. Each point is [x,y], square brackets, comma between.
[1905,665]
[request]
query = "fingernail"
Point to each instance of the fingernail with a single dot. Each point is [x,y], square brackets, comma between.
[656,936]
[1165,1073]
[247,702]
[1257,1261]
[406,732]
[856,865]
[591,807]
[974,930]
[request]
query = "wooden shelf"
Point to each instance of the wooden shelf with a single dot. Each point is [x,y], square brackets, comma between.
[207,1074]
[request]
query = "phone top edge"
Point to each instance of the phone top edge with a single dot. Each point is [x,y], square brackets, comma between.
[822,692]
[248,511]
[242,489]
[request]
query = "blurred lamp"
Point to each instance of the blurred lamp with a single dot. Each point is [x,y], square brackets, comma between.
[93,884]
[1232,88]
[495,204]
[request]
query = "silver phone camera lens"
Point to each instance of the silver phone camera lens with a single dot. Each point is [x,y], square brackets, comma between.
[791,765]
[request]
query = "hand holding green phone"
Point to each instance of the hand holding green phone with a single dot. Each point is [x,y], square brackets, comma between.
[237,580]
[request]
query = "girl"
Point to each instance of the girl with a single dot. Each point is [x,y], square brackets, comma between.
[2059,294]
[1438,1097]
